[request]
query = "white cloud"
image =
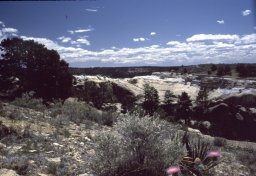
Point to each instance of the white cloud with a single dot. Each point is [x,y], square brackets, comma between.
[9,30]
[246,12]
[92,10]
[242,49]
[220,21]
[2,24]
[64,39]
[152,33]
[83,41]
[199,48]
[80,30]
[171,43]
[141,39]
[205,37]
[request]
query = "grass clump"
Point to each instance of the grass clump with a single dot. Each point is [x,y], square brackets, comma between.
[136,146]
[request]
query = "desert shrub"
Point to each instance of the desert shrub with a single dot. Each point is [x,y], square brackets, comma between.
[79,112]
[220,142]
[28,101]
[136,146]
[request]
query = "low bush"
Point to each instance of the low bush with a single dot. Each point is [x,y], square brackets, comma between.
[79,112]
[136,146]
[27,100]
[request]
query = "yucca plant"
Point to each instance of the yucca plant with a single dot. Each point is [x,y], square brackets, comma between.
[200,157]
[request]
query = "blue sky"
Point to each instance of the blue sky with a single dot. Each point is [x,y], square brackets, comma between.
[137,32]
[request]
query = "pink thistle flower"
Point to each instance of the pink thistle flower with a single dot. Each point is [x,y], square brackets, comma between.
[213,154]
[172,170]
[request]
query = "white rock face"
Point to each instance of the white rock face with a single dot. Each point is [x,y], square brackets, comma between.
[176,85]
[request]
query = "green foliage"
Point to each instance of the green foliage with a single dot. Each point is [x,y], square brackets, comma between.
[246,70]
[27,100]
[202,96]
[183,109]
[220,142]
[151,99]
[30,66]
[213,67]
[223,70]
[79,112]
[98,93]
[136,146]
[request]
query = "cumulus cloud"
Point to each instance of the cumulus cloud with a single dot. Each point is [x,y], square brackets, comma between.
[246,12]
[205,37]
[173,43]
[219,49]
[2,24]
[83,41]
[199,48]
[92,10]
[220,21]
[80,30]
[64,39]
[152,33]
[141,39]
[9,30]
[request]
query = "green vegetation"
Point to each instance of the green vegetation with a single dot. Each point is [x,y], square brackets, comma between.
[183,109]
[27,100]
[151,99]
[29,66]
[136,146]
[248,70]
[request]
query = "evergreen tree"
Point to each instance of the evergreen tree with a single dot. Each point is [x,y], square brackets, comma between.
[34,68]
[151,99]
[183,110]
[202,96]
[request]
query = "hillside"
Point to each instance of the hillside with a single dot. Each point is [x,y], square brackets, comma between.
[50,142]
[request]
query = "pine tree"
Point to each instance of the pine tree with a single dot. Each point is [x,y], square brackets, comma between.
[151,99]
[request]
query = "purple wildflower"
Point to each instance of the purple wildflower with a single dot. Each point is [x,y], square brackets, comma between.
[172,170]
[213,154]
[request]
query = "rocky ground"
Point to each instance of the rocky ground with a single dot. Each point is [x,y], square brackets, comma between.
[34,142]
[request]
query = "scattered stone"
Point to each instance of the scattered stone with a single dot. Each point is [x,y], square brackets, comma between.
[239,116]
[54,160]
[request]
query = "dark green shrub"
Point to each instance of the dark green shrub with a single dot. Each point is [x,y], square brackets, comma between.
[136,146]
